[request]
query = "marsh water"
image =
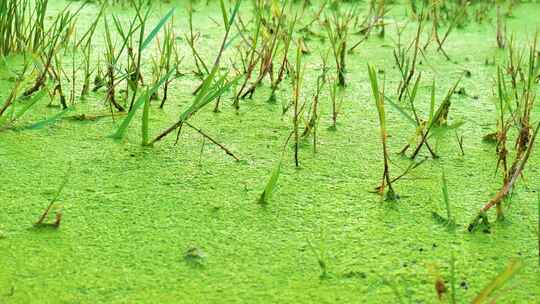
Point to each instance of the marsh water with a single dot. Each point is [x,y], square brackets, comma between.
[130,213]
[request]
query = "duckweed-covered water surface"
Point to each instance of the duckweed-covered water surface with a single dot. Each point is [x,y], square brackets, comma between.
[269,152]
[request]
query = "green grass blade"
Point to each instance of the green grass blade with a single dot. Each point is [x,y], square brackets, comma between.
[401,111]
[29,103]
[49,121]
[445,197]
[145,117]
[224,14]
[156,29]
[270,186]
[498,282]
[209,95]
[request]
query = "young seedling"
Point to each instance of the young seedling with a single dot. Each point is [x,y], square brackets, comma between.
[449,220]
[336,98]
[58,217]
[322,258]
[272,181]
[379,102]
[195,257]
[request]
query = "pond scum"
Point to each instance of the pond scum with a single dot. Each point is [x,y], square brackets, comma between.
[132,53]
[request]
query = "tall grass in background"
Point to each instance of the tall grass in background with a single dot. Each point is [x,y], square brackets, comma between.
[22,25]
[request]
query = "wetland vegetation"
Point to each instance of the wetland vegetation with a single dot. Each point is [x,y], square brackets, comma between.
[265,151]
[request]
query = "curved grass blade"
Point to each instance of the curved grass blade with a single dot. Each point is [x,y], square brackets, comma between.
[156,29]
[29,103]
[49,121]
[498,282]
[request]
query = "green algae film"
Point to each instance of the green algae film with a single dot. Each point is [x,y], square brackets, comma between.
[132,213]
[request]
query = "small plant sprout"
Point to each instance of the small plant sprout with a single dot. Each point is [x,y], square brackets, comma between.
[195,257]
[41,222]
[449,220]
[379,102]
[274,176]
[271,184]
[336,98]
[322,259]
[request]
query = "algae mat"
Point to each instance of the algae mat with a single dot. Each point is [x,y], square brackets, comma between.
[133,216]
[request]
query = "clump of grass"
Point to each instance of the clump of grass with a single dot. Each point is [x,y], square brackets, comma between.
[86,47]
[20,78]
[374,20]
[455,18]
[251,58]
[406,62]
[437,122]
[275,33]
[337,29]
[418,123]
[284,62]
[191,41]
[22,26]
[523,96]
[14,113]
[213,86]
[312,121]
[56,37]
[168,57]
[143,99]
